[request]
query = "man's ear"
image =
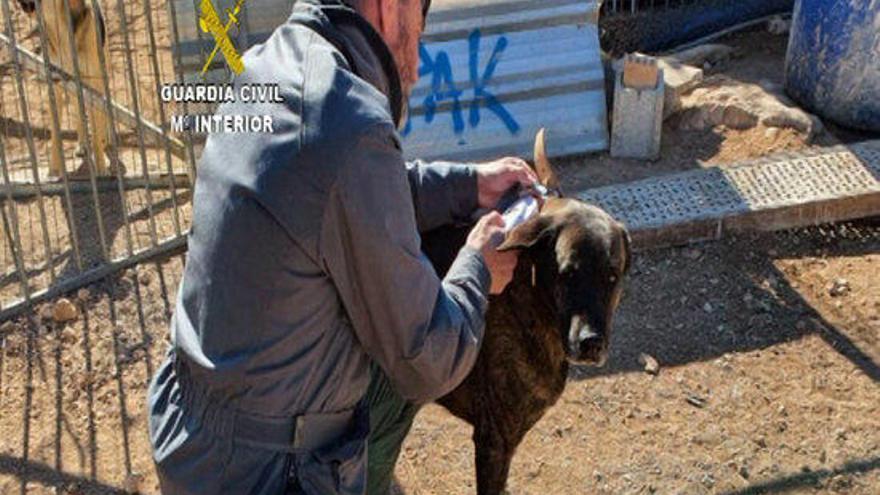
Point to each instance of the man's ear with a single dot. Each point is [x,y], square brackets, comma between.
[526,234]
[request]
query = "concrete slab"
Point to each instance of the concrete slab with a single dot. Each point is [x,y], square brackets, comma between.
[781,192]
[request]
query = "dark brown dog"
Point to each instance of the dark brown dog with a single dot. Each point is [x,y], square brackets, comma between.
[557,309]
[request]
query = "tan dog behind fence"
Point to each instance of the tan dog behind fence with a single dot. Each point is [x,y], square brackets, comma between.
[89,37]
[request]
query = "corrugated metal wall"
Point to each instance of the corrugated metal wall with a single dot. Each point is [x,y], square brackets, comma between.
[493,73]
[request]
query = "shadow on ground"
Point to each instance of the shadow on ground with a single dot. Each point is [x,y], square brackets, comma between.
[697,303]
[80,403]
[809,479]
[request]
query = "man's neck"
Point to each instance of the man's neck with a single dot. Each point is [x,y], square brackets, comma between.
[368,53]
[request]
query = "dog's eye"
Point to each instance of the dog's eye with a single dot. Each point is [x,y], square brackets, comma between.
[612,279]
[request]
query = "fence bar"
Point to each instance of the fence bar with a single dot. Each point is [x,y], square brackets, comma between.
[171,246]
[56,143]
[178,76]
[25,190]
[90,161]
[154,58]
[125,116]
[114,135]
[15,236]
[29,138]
[137,111]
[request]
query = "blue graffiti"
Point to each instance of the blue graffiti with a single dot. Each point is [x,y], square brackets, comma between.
[443,87]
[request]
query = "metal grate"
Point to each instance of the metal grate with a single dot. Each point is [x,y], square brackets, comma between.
[783,192]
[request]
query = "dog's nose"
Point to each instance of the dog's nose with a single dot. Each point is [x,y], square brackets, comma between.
[585,344]
[581,335]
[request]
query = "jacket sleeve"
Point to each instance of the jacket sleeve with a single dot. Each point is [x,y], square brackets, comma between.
[442,192]
[425,333]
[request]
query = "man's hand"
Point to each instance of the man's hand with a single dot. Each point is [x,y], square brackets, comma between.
[496,178]
[485,237]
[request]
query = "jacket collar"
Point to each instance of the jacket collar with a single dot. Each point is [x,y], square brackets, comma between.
[363,48]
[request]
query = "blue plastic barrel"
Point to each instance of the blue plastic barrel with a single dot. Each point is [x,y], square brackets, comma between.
[833,62]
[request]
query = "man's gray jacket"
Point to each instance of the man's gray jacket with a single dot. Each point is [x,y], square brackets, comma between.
[304,265]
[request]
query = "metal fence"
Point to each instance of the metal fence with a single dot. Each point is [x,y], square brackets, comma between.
[92,179]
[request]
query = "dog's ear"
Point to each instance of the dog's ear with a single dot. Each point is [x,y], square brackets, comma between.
[625,254]
[546,174]
[528,233]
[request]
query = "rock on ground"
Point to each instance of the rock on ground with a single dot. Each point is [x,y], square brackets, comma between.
[651,366]
[64,311]
[698,56]
[737,105]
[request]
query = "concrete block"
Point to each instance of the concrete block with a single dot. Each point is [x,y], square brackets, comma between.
[637,121]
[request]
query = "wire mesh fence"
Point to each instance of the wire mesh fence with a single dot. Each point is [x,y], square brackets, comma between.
[92,179]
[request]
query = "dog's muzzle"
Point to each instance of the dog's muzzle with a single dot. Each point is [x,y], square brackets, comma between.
[585,345]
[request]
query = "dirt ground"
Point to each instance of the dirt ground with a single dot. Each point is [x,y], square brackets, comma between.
[768,345]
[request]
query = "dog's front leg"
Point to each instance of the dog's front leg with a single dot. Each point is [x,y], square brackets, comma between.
[92,77]
[98,122]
